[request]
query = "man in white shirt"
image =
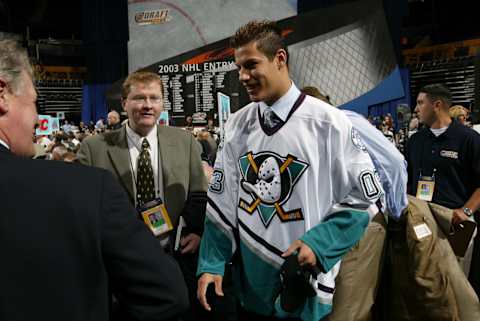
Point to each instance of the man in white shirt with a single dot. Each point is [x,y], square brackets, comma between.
[155,162]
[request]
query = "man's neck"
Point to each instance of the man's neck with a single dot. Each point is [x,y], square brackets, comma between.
[284,86]
[441,122]
[142,132]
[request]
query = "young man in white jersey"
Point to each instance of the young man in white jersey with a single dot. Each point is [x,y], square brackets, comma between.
[292,178]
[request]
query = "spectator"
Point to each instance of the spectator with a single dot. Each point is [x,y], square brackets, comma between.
[64,257]
[59,152]
[459,113]
[156,164]
[66,127]
[189,123]
[113,119]
[443,158]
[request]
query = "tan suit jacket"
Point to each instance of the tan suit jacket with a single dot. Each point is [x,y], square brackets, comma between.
[428,282]
[184,182]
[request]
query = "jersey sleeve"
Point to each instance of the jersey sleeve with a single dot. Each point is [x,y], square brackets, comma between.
[355,189]
[220,231]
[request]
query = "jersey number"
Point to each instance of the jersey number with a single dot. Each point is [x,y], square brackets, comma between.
[369,185]
[216,182]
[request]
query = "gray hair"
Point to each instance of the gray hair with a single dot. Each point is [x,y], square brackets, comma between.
[13,60]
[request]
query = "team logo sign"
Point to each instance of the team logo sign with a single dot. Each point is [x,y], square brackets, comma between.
[269,179]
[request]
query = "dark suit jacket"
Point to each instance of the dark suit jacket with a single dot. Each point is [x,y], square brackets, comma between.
[184,181]
[68,234]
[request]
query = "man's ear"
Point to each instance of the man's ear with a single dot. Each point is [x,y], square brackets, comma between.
[281,58]
[438,105]
[124,101]
[3,96]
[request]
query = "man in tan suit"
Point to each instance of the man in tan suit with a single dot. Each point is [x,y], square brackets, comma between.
[173,158]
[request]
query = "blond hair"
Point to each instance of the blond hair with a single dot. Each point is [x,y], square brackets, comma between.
[457,111]
[140,77]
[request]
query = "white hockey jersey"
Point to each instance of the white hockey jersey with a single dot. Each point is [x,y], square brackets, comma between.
[311,180]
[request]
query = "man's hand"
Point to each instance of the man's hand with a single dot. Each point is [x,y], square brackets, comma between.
[305,253]
[458,216]
[190,243]
[203,283]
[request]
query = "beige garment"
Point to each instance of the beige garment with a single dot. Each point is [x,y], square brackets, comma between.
[427,281]
[359,276]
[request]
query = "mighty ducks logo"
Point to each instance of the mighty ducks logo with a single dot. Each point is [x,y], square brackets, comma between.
[270,179]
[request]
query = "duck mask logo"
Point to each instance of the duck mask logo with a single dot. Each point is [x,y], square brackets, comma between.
[269,179]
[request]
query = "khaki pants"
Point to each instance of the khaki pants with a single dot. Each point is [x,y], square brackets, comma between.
[359,276]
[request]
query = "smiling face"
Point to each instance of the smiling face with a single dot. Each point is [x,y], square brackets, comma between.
[264,79]
[143,105]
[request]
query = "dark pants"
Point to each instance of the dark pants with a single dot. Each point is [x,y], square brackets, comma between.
[244,315]
[188,265]
[223,308]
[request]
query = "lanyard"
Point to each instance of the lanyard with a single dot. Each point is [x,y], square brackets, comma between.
[430,178]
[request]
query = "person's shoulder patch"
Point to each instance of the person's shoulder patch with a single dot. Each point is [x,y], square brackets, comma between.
[357,140]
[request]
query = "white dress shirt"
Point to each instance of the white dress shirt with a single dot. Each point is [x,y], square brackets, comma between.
[135,147]
[284,104]
[4,144]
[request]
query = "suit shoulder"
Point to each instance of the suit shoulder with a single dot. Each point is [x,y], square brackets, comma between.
[174,131]
[108,138]
[71,167]
[71,174]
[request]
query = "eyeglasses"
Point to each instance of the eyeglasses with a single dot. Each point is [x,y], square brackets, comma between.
[139,100]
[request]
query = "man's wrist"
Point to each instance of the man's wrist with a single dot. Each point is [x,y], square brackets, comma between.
[467,211]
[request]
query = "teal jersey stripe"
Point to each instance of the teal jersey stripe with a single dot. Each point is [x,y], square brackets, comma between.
[258,282]
[215,249]
[335,236]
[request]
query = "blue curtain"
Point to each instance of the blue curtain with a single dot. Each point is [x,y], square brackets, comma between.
[94,105]
[105,38]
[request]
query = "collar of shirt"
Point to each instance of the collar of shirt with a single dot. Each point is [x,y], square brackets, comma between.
[283,105]
[136,139]
[440,133]
[4,144]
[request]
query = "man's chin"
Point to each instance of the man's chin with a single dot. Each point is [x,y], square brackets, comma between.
[254,98]
[25,151]
[144,127]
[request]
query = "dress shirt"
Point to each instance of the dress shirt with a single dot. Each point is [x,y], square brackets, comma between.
[388,161]
[283,105]
[135,147]
[4,144]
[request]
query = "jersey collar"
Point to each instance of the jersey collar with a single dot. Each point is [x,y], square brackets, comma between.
[284,104]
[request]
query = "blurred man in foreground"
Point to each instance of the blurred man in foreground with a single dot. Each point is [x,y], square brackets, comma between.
[63,257]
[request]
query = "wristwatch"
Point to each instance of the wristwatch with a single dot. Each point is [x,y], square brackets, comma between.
[467,211]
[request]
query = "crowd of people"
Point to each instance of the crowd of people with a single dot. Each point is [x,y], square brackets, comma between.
[294,223]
